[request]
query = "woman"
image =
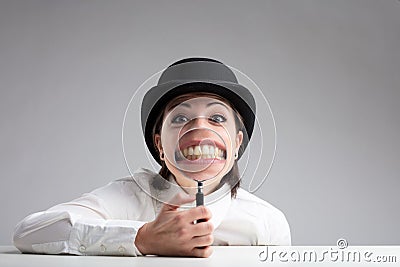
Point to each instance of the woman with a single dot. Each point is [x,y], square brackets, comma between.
[197,122]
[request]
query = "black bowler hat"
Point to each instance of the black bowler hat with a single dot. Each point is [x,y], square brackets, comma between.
[196,75]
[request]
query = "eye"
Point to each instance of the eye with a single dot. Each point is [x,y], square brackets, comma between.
[217,118]
[179,119]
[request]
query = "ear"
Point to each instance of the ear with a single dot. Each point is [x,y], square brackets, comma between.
[157,141]
[239,139]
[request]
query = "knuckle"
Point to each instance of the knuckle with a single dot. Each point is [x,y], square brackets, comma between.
[209,214]
[178,218]
[182,232]
[209,239]
[203,211]
[210,227]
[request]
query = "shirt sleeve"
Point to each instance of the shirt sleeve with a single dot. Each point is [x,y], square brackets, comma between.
[83,226]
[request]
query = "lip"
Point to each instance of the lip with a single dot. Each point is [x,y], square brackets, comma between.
[200,161]
[205,141]
[180,157]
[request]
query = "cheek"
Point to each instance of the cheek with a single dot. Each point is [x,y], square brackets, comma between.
[229,135]
[169,138]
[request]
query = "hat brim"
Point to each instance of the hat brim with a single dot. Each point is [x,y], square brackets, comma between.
[158,96]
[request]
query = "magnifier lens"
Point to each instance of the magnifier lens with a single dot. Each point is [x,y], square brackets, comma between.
[197,146]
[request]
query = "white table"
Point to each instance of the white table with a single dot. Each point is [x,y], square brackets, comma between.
[222,256]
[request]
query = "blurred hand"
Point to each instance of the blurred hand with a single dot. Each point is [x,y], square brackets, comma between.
[173,232]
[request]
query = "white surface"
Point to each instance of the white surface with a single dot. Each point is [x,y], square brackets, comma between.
[222,256]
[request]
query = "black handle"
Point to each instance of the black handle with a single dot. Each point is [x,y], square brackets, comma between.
[200,199]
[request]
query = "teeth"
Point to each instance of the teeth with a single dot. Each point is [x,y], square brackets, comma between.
[197,151]
[205,152]
[211,150]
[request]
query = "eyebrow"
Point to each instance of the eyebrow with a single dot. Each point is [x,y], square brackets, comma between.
[209,104]
[217,103]
[171,107]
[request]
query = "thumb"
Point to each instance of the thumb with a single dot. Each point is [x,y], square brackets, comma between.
[179,199]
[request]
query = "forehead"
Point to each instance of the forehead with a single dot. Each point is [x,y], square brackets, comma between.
[201,100]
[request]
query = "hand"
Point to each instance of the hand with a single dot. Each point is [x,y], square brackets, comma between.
[173,232]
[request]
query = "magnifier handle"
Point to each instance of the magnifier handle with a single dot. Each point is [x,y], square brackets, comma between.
[199,199]
[200,202]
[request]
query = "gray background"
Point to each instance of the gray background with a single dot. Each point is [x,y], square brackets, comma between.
[330,70]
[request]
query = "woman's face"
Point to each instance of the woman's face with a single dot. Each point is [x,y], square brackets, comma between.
[199,140]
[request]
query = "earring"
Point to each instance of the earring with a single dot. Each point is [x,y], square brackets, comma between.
[236,155]
[162,155]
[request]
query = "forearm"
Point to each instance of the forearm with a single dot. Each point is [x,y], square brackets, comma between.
[55,232]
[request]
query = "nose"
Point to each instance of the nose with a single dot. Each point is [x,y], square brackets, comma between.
[199,122]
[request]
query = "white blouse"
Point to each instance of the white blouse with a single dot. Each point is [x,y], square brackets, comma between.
[106,220]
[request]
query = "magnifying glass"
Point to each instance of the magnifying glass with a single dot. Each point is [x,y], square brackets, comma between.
[196,145]
[149,100]
[200,159]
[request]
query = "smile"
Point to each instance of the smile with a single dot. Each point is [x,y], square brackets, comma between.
[207,151]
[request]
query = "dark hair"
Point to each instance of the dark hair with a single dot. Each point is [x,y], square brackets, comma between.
[233,176]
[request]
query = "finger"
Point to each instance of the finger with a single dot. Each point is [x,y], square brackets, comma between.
[204,228]
[202,252]
[177,200]
[197,213]
[202,241]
